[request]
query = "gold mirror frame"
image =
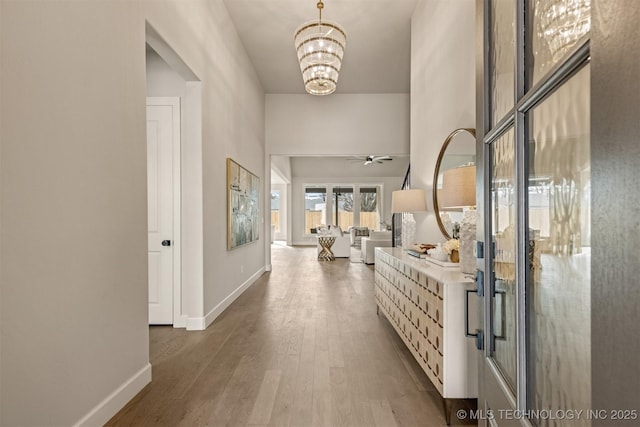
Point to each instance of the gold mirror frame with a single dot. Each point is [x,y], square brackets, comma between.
[446,143]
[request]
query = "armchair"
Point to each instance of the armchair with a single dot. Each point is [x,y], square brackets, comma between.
[356,234]
[369,244]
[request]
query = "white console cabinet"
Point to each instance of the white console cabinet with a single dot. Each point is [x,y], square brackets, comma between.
[425,304]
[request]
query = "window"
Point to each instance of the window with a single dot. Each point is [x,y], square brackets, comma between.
[315,208]
[369,213]
[343,207]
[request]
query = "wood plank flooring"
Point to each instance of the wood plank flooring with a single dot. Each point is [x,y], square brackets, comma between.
[303,346]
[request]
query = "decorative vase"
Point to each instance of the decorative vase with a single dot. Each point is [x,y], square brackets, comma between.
[455,256]
[408,231]
[467,242]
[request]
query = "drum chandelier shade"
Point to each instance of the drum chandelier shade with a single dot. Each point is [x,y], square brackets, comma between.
[320,47]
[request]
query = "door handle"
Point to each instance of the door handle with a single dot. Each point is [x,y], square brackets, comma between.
[166,242]
[478,334]
[503,315]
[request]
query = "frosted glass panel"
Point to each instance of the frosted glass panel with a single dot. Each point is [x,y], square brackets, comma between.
[557,25]
[502,57]
[559,286]
[503,209]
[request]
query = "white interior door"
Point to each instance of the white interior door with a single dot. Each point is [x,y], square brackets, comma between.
[163,127]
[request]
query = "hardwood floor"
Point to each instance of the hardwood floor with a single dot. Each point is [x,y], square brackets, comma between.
[303,346]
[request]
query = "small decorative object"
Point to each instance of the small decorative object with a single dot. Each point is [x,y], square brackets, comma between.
[422,247]
[451,247]
[419,250]
[438,253]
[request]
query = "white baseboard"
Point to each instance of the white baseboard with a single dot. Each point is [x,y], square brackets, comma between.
[268,267]
[110,406]
[201,323]
[304,243]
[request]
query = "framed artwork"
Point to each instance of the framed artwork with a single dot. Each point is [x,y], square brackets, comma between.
[243,206]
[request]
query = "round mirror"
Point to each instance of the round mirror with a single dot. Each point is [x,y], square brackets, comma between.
[454,180]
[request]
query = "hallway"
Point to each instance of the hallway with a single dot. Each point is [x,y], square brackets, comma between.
[303,346]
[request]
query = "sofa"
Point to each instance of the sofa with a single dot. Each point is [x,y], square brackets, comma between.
[356,234]
[369,244]
[341,248]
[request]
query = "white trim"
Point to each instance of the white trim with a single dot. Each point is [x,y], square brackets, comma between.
[305,242]
[192,202]
[110,406]
[180,321]
[176,116]
[268,267]
[177,213]
[202,323]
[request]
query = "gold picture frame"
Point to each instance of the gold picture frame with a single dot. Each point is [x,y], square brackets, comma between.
[243,206]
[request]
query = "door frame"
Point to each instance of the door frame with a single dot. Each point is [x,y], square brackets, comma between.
[175,103]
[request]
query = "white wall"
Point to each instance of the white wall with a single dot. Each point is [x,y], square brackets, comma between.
[297,200]
[340,124]
[442,90]
[73,246]
[282,166]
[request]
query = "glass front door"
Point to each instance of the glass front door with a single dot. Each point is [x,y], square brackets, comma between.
[534,130]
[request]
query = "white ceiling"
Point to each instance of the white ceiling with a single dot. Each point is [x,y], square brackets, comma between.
[377,55]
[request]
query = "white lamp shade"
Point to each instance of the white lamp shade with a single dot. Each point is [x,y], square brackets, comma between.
[458,188]
[413,200]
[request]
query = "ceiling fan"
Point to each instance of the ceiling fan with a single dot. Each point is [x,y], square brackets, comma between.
[368,160]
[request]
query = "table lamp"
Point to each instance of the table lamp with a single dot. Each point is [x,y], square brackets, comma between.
[459,192]
[408,201]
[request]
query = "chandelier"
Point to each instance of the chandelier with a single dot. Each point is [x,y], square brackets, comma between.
[320,47]
[562,23]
